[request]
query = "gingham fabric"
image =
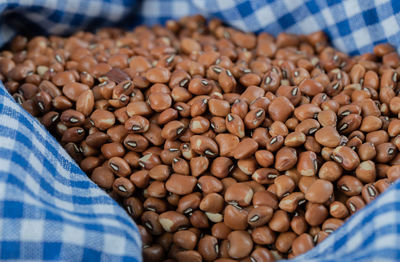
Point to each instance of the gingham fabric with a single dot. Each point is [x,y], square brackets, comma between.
[49,209]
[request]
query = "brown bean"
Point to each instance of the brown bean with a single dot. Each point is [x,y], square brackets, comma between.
[338,210]
[239,194]
[328,136]
[185,239]
[240,244]
[315,214]
[355,203]
[172,221]
[263,235]
[204,145]
[349,185]
[299,224]
[235,217]
[285,158]
[245,148]
[180,184]
[319,192]
[302,244]
[348,159]
[280,221]
[393,173]
[280,109]
[283,186]
[103,177]
[307,164]
[284,241]
[330,171]
[220,230]
[290,202]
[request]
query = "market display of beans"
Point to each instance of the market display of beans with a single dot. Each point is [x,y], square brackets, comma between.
[221,145]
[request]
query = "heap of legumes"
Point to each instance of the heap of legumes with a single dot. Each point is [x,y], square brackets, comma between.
[221,145]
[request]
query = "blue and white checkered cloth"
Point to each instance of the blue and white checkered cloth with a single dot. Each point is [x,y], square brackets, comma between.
[50,210]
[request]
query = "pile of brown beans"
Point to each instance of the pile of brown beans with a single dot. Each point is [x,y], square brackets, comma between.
[221,145]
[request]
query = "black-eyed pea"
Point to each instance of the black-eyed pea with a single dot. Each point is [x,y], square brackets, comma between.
[204,145]
[280,109]
[198,165]
[370,124]
[264,158]
[369,193]
[307,164]
[254,118]
[285,158]
[239,194]
[328,136]
[350,185]
[245,148]
[382,184]
[188,203]
[212,202]
[319,191]
[227,143]
[295,139]
[221,167]
[346,157]
[312,145]
[338,210]
[172,221]
[261,254]
[248,165]
[150,221]
[187,255]
[393,173]
[308,126]
[274,143]
[235,125]
[199,125]
[298,224]
[261,136]
[292,201]
[316,214]
[180,184]
[265,175]
[235,217]
[291,123]
[240,108]
[263,235]
[330,171]
[210,184]
[185,239]
[367,151]
[385,152]
[302,244]
[280,221]
[284,241]
[208,247]
[366,171]
[284,185]
[259,216]
[173,130]
[218,107]
[240,244]
[306,111]
[137,124]
[394,128]
[119,166]
[355,203]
